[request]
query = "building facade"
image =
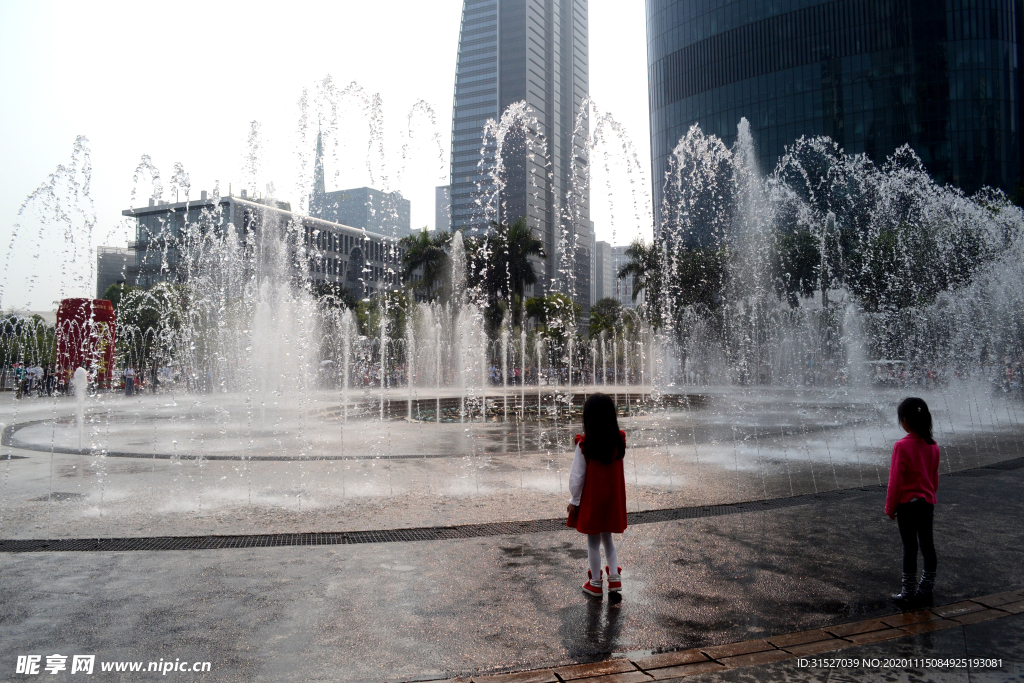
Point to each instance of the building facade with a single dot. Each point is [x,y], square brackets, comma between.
[532,51]
[363,262]
[443,208]
[382,213]
[604,278]
[622,289]
[941,75]
[114,265]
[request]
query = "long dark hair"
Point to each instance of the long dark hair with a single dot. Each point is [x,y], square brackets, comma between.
[914,411]
[601,438]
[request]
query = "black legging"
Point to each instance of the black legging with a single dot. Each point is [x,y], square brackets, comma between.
[915,522]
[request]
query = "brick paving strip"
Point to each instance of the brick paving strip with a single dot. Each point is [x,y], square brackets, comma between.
[671,666]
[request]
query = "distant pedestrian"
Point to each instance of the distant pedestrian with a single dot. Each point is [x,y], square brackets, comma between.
[913,481]
[129,380]
[597,488]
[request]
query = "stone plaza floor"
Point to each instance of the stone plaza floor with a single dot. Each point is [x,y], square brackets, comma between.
[728,582]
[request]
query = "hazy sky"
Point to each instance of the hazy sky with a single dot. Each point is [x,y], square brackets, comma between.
[182,82]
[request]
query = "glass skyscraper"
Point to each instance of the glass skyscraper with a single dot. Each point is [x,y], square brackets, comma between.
[532,51]
[941,75]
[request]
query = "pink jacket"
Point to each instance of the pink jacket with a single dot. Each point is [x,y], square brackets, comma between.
[914,472]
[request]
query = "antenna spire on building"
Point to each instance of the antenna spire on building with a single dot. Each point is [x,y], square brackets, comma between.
[316,203]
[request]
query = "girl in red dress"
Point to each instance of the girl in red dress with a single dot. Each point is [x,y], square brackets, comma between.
[597,486]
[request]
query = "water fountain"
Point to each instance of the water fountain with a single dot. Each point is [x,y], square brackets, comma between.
[766,362]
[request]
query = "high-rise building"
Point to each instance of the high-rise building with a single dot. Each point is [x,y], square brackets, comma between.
[944,76]
[532,51]
[623,287]
[382,213]
[604,273]
[443,208]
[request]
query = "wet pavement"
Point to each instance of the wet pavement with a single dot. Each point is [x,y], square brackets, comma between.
[210,464]
[435,609]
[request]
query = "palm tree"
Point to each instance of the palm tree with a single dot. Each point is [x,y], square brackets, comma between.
[429,252]
[644,266]
[512,247]
[606,314]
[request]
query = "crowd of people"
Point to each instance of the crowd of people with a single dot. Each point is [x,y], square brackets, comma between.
[28,380]
[1006,377]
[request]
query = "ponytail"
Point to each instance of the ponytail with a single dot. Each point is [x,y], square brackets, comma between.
[914,412]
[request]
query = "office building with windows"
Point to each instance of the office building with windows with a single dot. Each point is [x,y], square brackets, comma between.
[941,75]
[604,276]
[364,262]
[114,265]
[443,208]
[532,51]
[622,288]
[382,213]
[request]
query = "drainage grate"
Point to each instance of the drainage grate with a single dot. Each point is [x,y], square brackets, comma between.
[58,496]
[438,533]
[441,533]
[1006,465]
[994,468]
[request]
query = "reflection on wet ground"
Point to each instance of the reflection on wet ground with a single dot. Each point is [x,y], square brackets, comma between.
[221,464]
[416,611]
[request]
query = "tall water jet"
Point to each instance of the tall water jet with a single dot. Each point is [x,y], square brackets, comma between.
[410,365]
[80,385]
[504,368]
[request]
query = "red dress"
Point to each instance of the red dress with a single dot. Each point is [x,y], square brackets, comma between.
[603,501]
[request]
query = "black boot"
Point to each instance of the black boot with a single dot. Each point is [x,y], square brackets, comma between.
[906,597]
[924,590]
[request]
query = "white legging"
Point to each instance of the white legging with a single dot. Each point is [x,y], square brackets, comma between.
[594,542]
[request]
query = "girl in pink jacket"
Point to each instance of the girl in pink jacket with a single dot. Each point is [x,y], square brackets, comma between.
[913,480]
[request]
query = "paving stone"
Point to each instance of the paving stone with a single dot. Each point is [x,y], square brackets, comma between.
[676,672]
[611,666]
[755,658]
[818,647]
[544,676]
[633,676]
[733,649]
[1013,607]
[670,659]
[957,608]
[844,630]
[998,599]
[875,636]
[799,638]
[929,626]
[909,618]
[983,615]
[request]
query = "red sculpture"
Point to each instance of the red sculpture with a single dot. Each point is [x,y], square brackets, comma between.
[85,338]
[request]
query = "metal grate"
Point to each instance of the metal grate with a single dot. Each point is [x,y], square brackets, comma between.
[438,533]
[985,470]
[441,533]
